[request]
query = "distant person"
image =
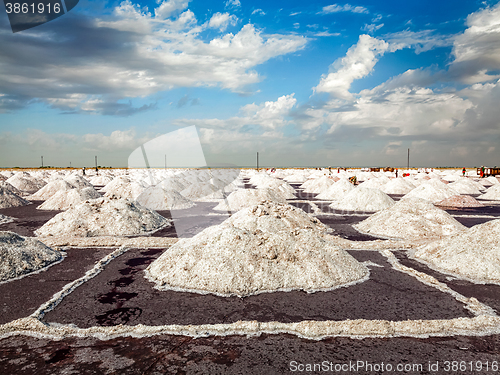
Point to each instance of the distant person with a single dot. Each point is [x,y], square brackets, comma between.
[396,173]
[330,170]
[96,171]
[463,172]
[84,171]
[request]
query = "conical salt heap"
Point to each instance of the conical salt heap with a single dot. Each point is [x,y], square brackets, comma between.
[460,201]
[157,198]
[493,193]
[248,197]
[104,217]
[22,255]
[473,253]
[397,186]
[50,189]
[26,183]
[411,219]
[363,199]
[78,181]
[264,248]
[337,191]
[63,200]
[9,199]
[433,192]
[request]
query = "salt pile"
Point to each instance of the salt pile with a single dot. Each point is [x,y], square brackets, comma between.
[411,219]
[248,197]
[260,249]
[282,188]
[319,185]
[78,181]
[157,198]
[363,199]
[172,184]
[493,193]
[9,187]
[116,182]
[104,217]
[63,200]
[460,201]
[397,186]
[473,253]
[431,192]
[5,219]
[50,189]
[100,180]
[9,199]
[21,255]
[296,178]
[337,191]
[203,191]
[124,190]
[25,183]
[465,186]
[375,183]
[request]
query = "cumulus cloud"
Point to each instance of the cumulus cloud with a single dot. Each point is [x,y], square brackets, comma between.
[358,63]
[81,61]
[421,41]
[477,50]
[222,20]
[335,8]
[259,12]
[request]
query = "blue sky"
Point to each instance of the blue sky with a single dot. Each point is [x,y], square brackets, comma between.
[304,83]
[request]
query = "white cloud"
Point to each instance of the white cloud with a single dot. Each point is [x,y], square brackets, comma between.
[335,8]
[232,4]
[259,12]
[222,20]
[423,40]
[371,28]
[477,50]
[358,63]
[326,33]
[142,54]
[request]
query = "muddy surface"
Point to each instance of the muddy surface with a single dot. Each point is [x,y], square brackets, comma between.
[486,293]
[121,295]
[20,298]
[265,354]
[28,218]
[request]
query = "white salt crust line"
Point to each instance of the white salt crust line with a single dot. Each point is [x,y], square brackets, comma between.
[478,216]
[471,304]
[69,288]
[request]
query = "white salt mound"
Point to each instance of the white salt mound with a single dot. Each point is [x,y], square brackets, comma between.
[100,180]
[104,217]
[265,255]
[9,199]
[460,201]
[26,183]
[465,186]
[248,197]
[473,253]
[375,183]
[397,186]
[319,185]
[50,189]
[431,192]
[64,200]
[203,191]
[22,255]
[5,219]
[493,193]
[78,181]
[411,219]
[157,198]
[125,190]
[337,191]
[9,187]
[363,199]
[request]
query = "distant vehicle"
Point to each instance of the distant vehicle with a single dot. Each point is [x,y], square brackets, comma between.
[489,171]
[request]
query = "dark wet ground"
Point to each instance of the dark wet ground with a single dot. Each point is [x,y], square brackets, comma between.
[20,298]
[121,295]
[265,354]
[489,294]
[28,218]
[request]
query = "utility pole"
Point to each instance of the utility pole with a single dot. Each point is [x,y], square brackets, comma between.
[165,161]
[42,161]
[408,165]
[96,161]
[257,160]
